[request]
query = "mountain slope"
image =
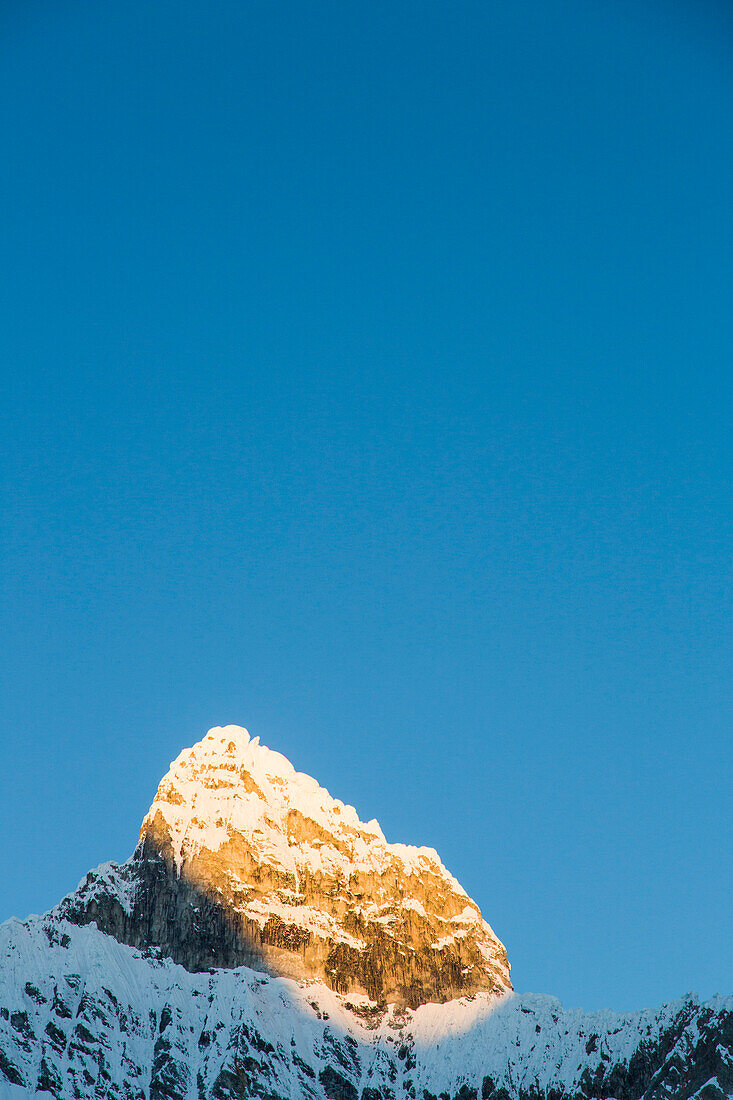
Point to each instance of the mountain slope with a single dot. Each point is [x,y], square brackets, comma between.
[83,1016]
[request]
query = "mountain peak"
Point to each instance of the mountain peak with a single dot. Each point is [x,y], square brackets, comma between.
[243,859]
[228,783]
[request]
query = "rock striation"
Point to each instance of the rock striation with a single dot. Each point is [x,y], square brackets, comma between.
[242,860]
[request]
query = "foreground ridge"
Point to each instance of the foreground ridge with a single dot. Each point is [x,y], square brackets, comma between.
[83,1016]
[244,861]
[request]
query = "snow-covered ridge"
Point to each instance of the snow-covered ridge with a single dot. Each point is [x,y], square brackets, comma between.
[81,1015]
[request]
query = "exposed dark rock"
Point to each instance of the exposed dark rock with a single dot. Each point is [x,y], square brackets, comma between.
[336,1085]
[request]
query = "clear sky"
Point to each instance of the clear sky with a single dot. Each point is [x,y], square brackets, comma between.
[367,382]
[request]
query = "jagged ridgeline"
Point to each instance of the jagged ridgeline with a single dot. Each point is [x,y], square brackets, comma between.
[262,941]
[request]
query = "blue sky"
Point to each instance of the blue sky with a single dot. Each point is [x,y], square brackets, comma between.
[366,382]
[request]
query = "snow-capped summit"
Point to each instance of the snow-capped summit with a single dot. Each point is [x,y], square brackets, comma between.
[242,859]
[245,866]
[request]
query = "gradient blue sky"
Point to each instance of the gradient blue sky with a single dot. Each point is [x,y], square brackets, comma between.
[367,382]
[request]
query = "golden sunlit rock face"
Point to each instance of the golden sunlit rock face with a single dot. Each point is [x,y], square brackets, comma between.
[243,860]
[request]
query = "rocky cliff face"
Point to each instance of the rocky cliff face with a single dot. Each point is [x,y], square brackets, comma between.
[244,861]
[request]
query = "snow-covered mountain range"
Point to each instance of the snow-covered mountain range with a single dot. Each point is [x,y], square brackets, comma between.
[262,941]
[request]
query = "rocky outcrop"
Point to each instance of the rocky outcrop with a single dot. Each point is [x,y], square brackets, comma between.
[244,861]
